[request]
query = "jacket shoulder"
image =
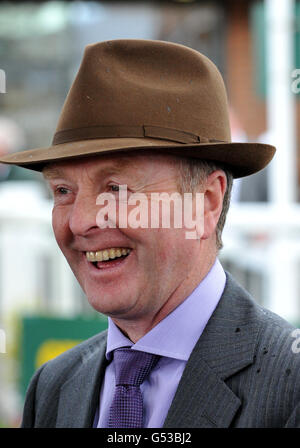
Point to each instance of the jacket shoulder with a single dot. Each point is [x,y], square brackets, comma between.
[272,331]
[245,307]
[269,387]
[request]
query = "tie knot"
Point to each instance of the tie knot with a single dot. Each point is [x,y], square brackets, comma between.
[132,366]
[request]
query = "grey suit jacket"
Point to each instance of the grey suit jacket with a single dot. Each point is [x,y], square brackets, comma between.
[241,373]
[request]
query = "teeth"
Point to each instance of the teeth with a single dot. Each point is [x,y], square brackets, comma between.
[99,256]
[112,253]
[107,254]
[91,256]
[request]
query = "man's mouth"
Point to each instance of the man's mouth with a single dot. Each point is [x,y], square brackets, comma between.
[107,256]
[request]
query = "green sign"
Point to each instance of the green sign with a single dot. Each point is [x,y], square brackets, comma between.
[45,338]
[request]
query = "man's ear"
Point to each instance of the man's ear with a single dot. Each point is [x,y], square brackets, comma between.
[213,189]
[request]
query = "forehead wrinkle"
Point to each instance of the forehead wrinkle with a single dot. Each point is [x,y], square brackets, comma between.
[52,171]
[115,167]
[116,164]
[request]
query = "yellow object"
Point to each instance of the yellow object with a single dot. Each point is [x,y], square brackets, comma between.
[52,348]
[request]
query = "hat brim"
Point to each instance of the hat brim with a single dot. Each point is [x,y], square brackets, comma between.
[242,159]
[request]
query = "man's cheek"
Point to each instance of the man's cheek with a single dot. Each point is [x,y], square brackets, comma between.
[61,230]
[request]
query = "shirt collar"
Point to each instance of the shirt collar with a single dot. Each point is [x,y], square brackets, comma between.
[176,335]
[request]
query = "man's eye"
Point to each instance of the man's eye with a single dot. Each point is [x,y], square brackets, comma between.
[114,188]
[61,191]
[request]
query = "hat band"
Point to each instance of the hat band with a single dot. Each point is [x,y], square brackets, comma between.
[94,132]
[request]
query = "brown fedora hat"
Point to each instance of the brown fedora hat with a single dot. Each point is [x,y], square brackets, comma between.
[145,94]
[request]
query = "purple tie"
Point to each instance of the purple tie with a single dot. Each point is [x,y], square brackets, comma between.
[132,367]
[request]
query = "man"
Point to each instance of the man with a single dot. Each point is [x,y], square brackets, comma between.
[186,345]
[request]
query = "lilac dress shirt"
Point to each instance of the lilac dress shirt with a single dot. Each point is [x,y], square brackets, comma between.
[173,339]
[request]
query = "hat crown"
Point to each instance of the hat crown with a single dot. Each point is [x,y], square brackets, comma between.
[144,94]
[124,85]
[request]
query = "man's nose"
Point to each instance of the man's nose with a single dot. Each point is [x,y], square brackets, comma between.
[83,214]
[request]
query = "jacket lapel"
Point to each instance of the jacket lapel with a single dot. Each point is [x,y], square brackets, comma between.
[227,345]
[80,394]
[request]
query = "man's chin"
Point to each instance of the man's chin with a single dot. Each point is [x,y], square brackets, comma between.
[110,305]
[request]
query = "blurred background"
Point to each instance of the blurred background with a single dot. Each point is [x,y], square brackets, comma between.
[256,46]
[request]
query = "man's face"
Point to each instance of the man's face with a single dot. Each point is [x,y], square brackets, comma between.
[161,267]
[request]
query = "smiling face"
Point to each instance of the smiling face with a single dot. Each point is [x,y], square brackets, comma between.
[154,269]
